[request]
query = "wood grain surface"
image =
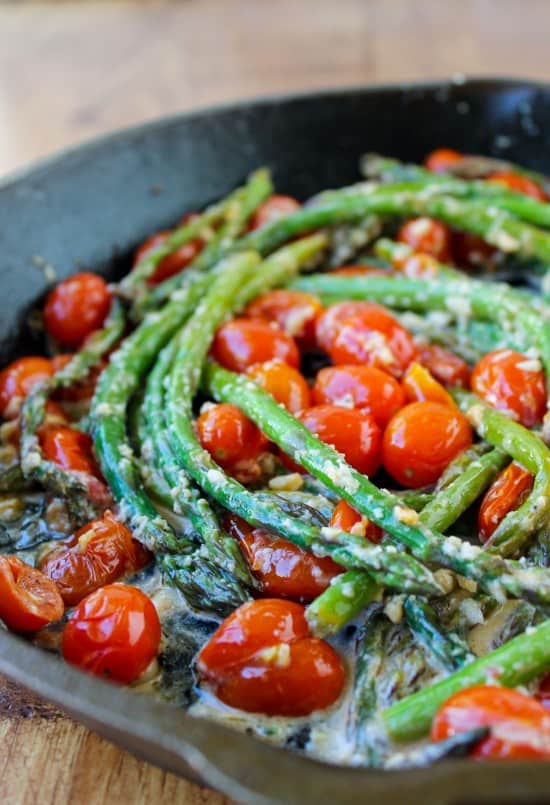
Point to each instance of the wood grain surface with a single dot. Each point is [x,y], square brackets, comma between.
[69,71]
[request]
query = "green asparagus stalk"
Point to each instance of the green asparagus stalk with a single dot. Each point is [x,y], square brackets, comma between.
[448,649]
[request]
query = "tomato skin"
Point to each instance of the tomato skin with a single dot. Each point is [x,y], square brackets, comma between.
[283,569]
[501,380]
[17,379]
[507,492]
[421,440]
[419,385]
[71,449]
[97,554]
[445,366]
[232,440]
[428,236]
[520,725]
[241,343]
[173,263]
[283,382]
[295,312]
[28,599]
[352,432]
[440,160]
[345,518]
[519,184]
[114,632]
[272,209]
[365,387]
[471,251]
[76,307]
[365,333]
[262,660]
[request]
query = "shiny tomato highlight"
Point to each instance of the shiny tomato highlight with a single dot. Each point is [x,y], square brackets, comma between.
[241,343]
[295,312]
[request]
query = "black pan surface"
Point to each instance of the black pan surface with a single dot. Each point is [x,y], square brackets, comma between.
[90,207]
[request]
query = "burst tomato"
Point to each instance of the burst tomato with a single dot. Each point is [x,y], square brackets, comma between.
[283,569]
[345,518]
[283,382]
[507,492]
[519,724]
[28,599]
[295,312]
[445,366]
[114,632]
[419,385]
[17,379]
[241,343]
[69,448]
[76,307]
[364,387]
[509,381]
[263,660]
[97,554]
[428,236]
[421,440]
[274,208]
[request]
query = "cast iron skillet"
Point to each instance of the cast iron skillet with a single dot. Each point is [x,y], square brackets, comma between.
[90,207]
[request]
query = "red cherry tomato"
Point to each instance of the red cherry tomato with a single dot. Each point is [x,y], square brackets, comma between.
[295,312]
[232,440]
[274,208]
[283,569]
[262,659]
[440,160]
[173,263]
[471,251]
[445,366]
[83,390]
[97,554]
[345,518]
[365,333]
[69,448]
[520,726]
[428,236]
[283,382]
[419,384]
[418,266]
[17,379]
[28,599]
[76,307]
[241,343]
[507,492]
[363,387]
[114,632]
[509,381]
[421,440]
[519,184]
[352,432]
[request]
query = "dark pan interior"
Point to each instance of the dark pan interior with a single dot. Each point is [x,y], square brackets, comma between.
[91,206]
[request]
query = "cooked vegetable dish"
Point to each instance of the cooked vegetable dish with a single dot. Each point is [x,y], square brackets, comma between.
[292,472]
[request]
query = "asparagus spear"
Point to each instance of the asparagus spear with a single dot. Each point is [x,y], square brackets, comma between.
[448,649]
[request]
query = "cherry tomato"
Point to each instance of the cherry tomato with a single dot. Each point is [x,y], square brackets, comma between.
[352,432]
[274,208]
[419,385]
[519,184]
[263,660]
[520,726]
[69,448]
[543,692]
[114,632]
[345,518]
[364,387]
[28,599]
[471,251]
[428,236]
[509,381]
[97,554]
[241,343]
[283,569]
[76,307]
[173,263]
[365,333]
[418,266]
[440,160]
[507,492]
[294,311]
[53,415]
[84,390]
[421,440]
[232,440]
[17,379]
[445,366]
[283,382]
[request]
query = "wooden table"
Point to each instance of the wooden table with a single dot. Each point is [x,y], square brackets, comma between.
[70,71]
